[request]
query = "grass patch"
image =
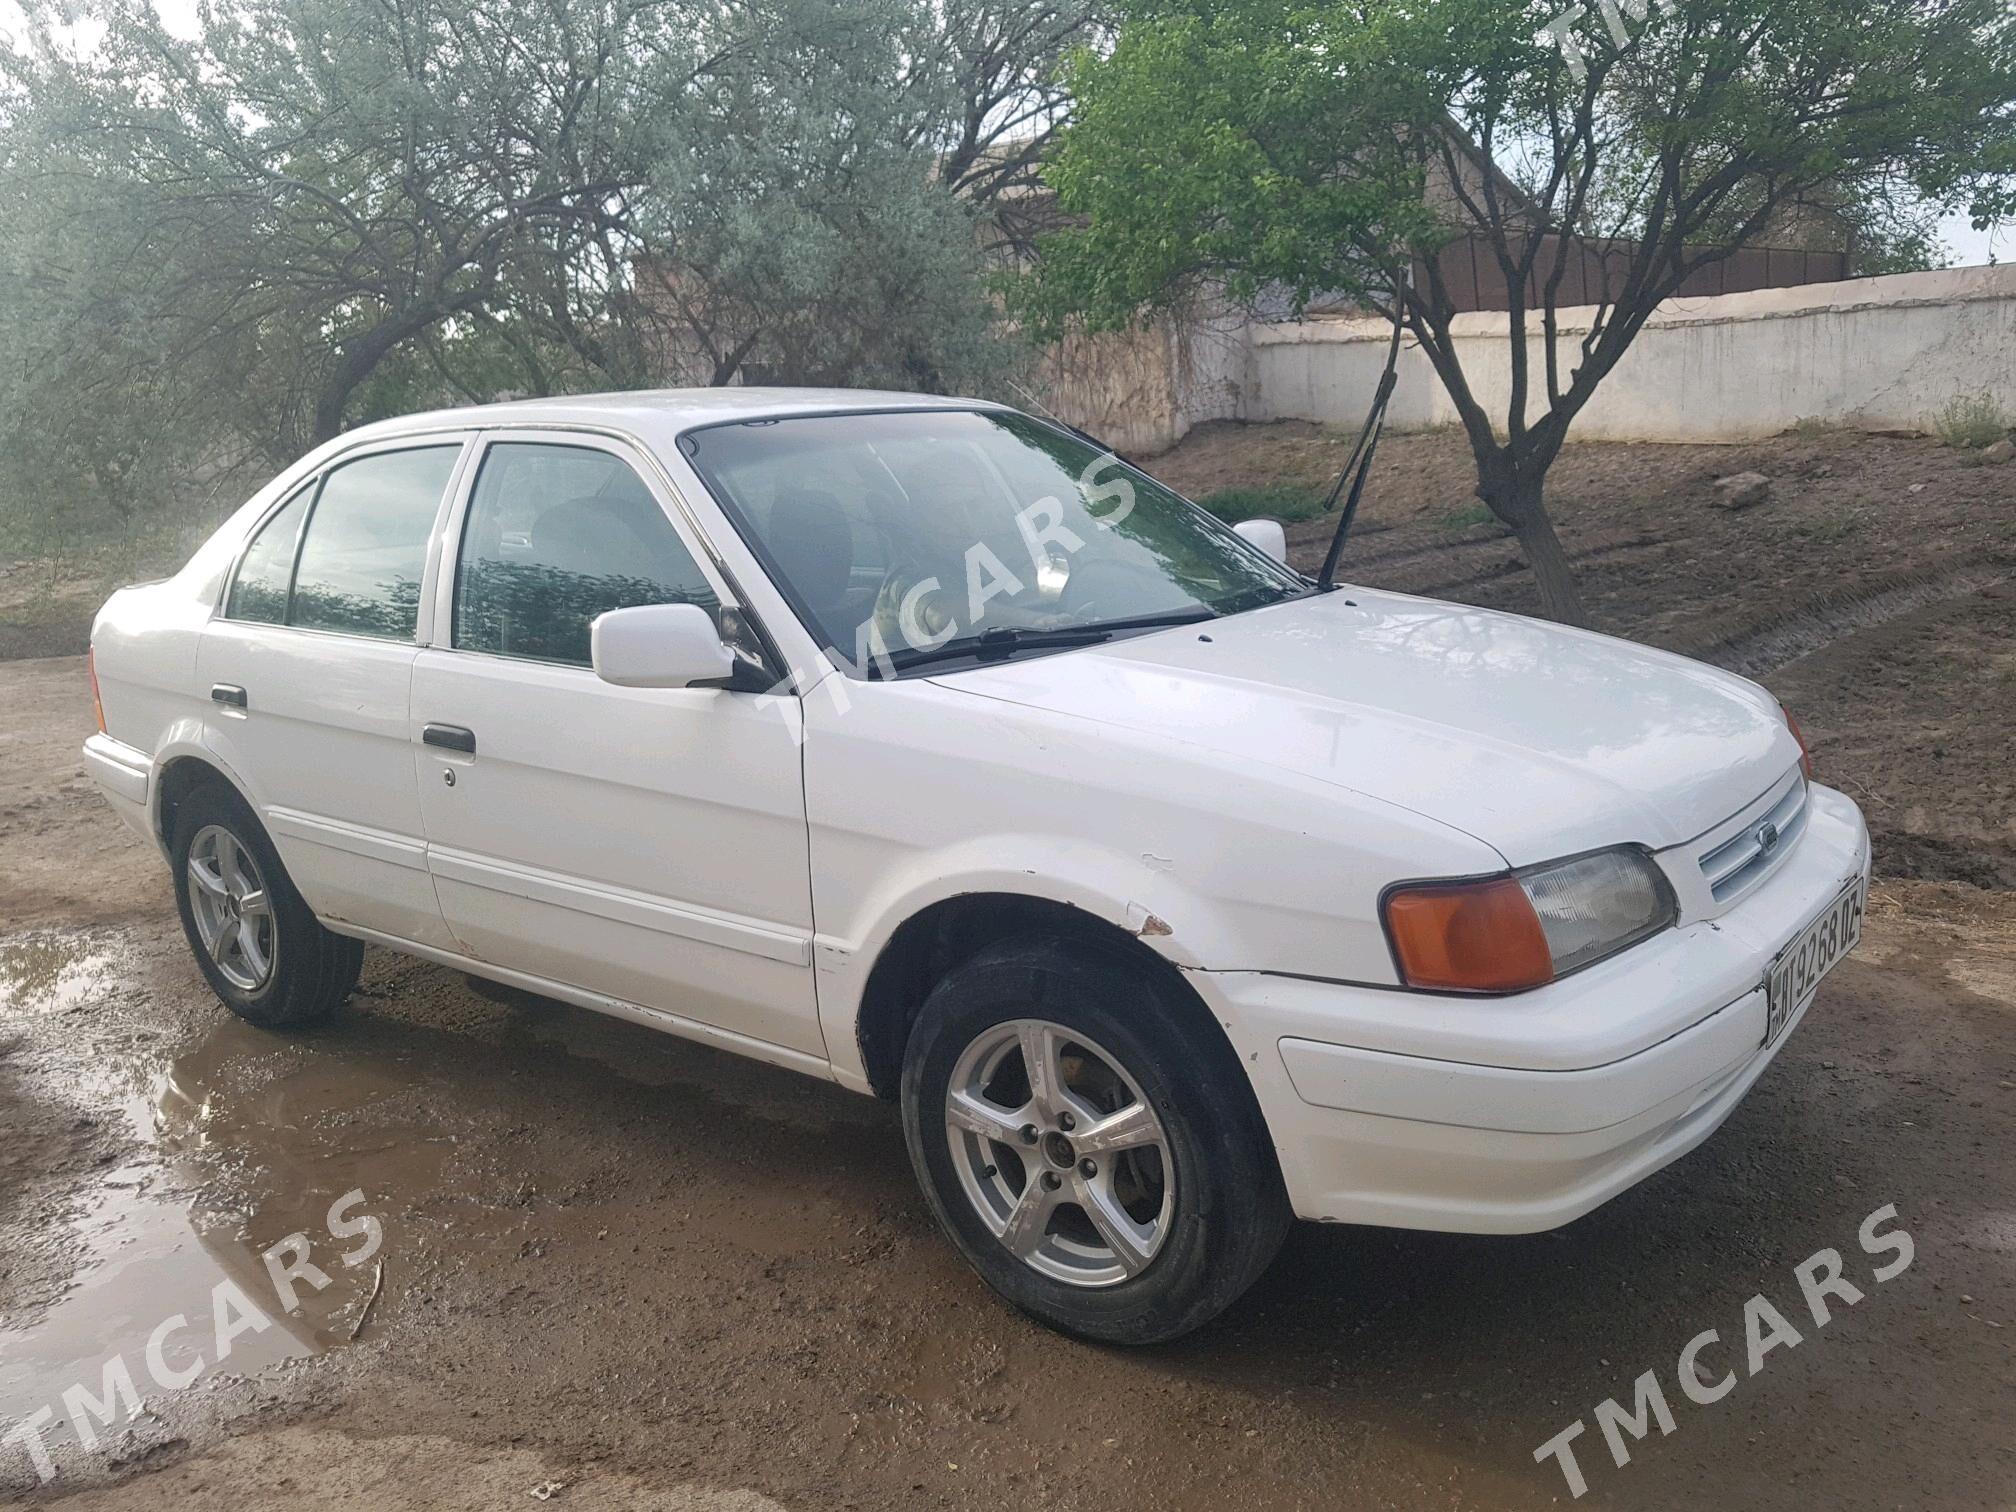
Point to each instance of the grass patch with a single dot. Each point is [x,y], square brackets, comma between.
[1828,531]
[1463,519]
[1972,423]
[1286,502]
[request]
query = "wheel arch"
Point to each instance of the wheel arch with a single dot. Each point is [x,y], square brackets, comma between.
[947,933]
[180,773]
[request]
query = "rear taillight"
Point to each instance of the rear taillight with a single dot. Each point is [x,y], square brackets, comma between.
[97,703]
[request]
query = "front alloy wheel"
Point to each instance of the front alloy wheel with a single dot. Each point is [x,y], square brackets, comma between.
[1060,1153]
[1085,1134]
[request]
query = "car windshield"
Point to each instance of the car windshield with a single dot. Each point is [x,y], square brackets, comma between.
[940,535]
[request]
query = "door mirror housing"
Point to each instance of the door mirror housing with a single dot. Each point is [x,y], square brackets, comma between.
[1267,535]
[659,646]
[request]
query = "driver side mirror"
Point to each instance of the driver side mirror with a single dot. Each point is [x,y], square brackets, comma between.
[1267,535]
[659,646]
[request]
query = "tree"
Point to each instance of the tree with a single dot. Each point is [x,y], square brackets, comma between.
[307,186]
[800,230]
[1286,147]
[848,175]
[1004,65]
[314,212]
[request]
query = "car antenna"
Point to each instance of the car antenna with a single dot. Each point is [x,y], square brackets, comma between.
[1358,466]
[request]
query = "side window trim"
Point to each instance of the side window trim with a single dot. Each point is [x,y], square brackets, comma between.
[461,437]
[301,540]
[456,530]
[309,487]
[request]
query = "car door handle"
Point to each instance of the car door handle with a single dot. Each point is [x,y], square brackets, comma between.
[450,738]
[228,693]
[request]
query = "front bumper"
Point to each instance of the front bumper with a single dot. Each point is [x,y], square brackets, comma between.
[1516,1114]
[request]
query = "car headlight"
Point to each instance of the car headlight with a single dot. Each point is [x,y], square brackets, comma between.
[1505,934]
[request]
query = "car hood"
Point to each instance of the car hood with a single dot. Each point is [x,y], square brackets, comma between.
[1538,740]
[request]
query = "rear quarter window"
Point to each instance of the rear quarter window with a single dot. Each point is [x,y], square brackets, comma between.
[259,592]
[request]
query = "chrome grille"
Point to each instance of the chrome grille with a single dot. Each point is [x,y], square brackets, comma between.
[1745,859]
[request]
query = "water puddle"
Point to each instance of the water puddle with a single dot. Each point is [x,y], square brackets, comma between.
[163,1297]
[185,1262]
[53,972]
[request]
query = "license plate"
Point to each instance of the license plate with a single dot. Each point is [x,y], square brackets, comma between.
[1819,948]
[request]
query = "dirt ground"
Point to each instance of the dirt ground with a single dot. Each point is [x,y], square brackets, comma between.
[1874,592]
[662,1277]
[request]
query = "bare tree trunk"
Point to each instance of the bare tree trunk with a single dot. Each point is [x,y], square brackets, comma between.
[358,357]
[1519,500]
[1559,598]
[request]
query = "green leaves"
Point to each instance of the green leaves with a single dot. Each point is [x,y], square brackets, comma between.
[314,212]
[1265,151]
[1254,144]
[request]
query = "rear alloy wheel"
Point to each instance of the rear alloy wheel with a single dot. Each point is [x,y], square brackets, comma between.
[255,939]
[234,911]
[1087,1138]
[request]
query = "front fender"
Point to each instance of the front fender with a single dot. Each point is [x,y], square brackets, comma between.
[1134,893]
[916,794]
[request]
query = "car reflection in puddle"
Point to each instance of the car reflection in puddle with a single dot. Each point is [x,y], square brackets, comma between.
[246,1141]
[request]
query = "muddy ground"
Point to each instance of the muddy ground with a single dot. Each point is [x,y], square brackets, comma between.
[666,1278]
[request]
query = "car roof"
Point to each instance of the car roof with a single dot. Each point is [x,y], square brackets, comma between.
[658,416]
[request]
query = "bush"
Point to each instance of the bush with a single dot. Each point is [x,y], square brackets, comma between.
[1972,423]
[1286,502]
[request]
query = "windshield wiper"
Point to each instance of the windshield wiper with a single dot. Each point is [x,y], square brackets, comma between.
[1194,616]
[999,642]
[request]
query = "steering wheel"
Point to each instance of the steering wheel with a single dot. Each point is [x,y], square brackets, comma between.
[1090,580]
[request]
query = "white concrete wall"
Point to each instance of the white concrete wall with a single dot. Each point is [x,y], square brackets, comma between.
[1881,353]
[1871,352]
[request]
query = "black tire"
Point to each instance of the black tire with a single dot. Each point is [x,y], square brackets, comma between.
[1230,1212]
[312,969]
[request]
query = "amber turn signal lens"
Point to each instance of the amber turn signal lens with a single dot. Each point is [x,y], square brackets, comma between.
[1468,937]
[1805,756]
[97,703]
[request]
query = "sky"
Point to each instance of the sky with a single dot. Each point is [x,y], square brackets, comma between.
[1969,247]
[1965,247]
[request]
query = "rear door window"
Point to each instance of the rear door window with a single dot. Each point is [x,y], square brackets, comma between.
[365,549]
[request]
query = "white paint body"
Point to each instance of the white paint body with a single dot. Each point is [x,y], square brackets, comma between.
[1237,795]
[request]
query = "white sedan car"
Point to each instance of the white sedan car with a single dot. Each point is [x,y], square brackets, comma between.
[922,746]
